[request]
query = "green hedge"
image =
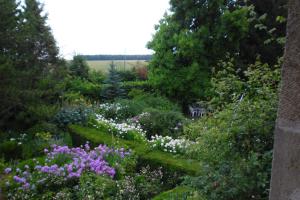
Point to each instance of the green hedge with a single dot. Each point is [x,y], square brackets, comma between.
[180,192]
[146,156]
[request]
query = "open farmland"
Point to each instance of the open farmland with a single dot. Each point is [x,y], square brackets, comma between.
[103,65]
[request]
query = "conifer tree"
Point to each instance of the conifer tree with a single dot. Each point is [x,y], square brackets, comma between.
[38,46]
[79,67]
[113,88]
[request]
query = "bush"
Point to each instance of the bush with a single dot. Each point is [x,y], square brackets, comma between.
[95,187]
[163,123]
[157,102]
[10,150]
[142,185]
[127,75]
[96,77]
[237,154]
[72,115]
[128,86]
[180,192]
[44,127]
[84,87]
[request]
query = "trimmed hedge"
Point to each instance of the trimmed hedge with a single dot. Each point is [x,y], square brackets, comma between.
[180,192]
[145,154]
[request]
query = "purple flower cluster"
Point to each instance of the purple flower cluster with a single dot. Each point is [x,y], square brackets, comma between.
[83,159]
[80,159]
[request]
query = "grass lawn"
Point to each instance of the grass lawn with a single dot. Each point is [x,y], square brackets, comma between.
[103,65]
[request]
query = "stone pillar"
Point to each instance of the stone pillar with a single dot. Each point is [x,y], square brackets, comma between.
[285,181]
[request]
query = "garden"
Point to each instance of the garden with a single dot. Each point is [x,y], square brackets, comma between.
[69,132]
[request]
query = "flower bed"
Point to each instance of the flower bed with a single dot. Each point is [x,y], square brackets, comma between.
[122,130]
[168,144]
[62,165]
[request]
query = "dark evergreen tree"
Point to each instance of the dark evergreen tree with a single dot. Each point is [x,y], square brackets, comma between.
[37,47]
[9,18]
[29,64]
[79,67]
[113,89]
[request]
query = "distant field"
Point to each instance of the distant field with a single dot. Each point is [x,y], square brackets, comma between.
[103,65]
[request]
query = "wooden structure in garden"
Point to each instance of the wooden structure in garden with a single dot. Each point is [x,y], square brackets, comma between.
[197,111]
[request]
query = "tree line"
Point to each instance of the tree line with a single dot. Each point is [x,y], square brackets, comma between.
[117,57]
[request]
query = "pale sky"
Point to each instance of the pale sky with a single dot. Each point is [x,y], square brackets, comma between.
[104,26]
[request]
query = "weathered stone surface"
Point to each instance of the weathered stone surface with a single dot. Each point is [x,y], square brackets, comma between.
[285,182]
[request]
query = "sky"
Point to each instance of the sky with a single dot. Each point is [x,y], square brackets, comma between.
[104,26]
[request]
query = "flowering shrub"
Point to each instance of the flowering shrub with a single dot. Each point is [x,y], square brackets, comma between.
[119,111]
[110,110]
[168,144]
[61,165]
[123,130]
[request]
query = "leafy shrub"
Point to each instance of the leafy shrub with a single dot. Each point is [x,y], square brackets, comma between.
[142,185]
[158,122]
[128,86]
[92,186]
[96,77]
[127,75]
[73,98]
[84,87]
[180,192]
[157,102]
[72,115]
[44,127]
[10,150]
[236,142]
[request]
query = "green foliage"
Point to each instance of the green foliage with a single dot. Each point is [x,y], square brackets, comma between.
[72,115]
[128,86]
[127,75]
[30,69]
[156,102]
[112,89]
[93,186]
[84,87]
[236,143]
[96,77]
[142,185]
[191,40]
[145,156]
[10,150]
[180,192]
[78,67]
[156,122]
[260,81]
